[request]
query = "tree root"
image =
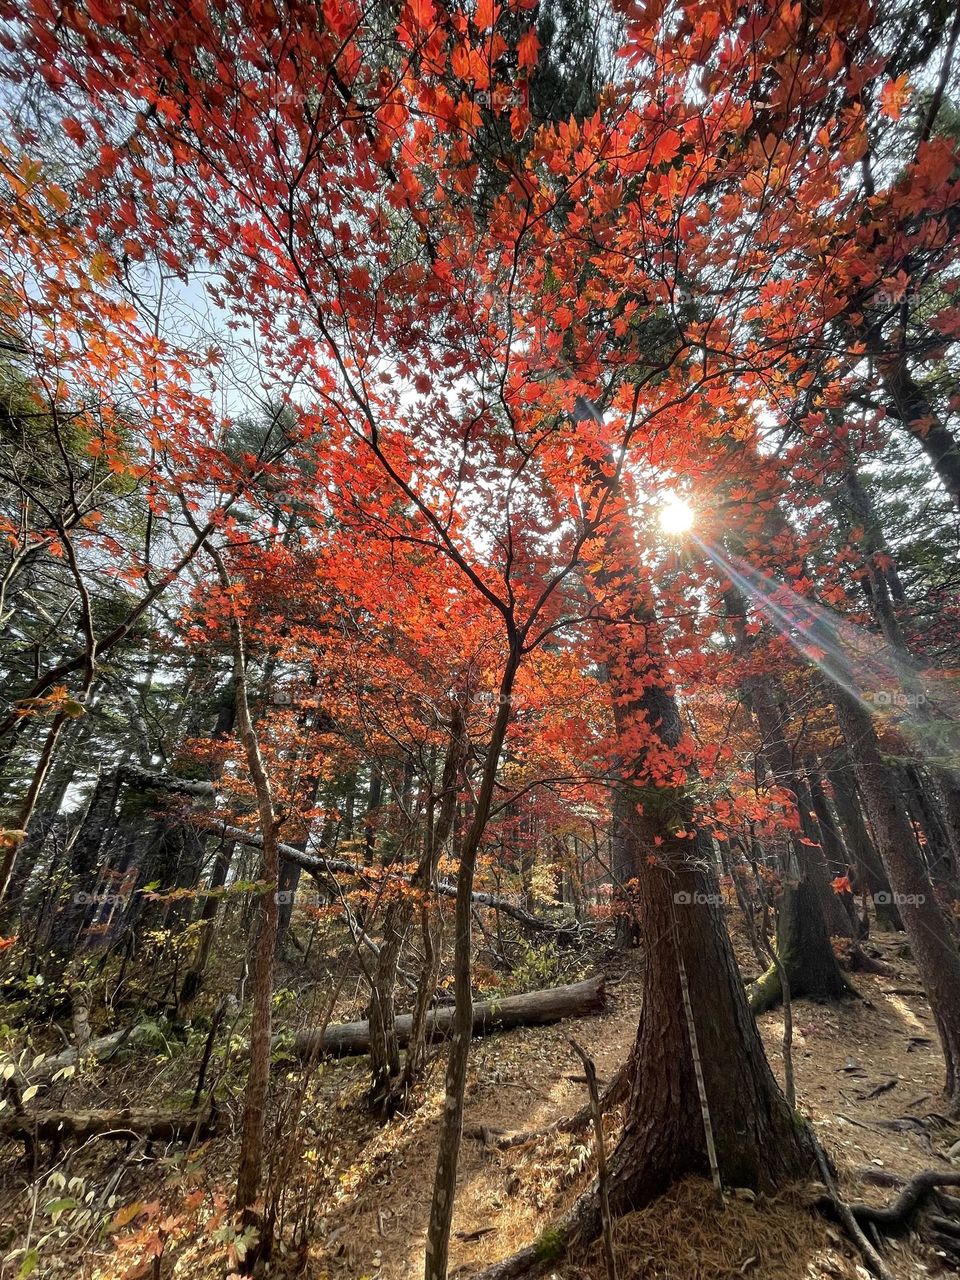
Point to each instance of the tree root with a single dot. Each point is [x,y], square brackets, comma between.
[939,1228]
[856,960]
[896,1216]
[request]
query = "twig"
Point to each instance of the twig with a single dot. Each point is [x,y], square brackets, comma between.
[590,1071]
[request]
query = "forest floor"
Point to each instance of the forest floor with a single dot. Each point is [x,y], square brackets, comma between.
[868,1074]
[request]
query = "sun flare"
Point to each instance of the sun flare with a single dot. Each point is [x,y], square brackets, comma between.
[676,516]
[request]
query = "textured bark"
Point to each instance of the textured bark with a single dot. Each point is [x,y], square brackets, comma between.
[931,939]
[759,1141]
[804,951]
[912,406]
[532,1009]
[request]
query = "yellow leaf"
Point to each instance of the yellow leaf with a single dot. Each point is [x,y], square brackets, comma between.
[101,266]
[125,1215]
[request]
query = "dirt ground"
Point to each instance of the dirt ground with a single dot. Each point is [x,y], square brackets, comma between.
[868,1074]
[860,1067]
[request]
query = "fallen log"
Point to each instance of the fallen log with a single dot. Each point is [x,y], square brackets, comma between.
[532,1009]
[123,1123]
[146,779]
[97,1050]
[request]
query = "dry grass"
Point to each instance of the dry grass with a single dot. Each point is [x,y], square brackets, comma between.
[686,1236]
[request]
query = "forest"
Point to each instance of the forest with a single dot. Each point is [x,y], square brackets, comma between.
[480,639]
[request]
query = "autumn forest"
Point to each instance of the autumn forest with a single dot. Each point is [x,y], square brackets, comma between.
[480,639]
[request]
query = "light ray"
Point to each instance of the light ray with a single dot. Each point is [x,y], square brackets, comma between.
[857,660]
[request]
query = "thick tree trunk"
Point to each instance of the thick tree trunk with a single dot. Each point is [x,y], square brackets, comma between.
[759,1142]
[803,950]
[931,939]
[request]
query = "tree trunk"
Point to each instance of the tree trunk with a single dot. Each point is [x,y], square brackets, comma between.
[451,1124]
[931,939]
[869,865]
[758,1140]
[810,861]
[84,861]
[261,1022]
[385,1044]
[803,950]
[912,406]
[838,860]
[193,979]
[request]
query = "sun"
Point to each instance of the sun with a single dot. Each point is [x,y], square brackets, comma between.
[676,516]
